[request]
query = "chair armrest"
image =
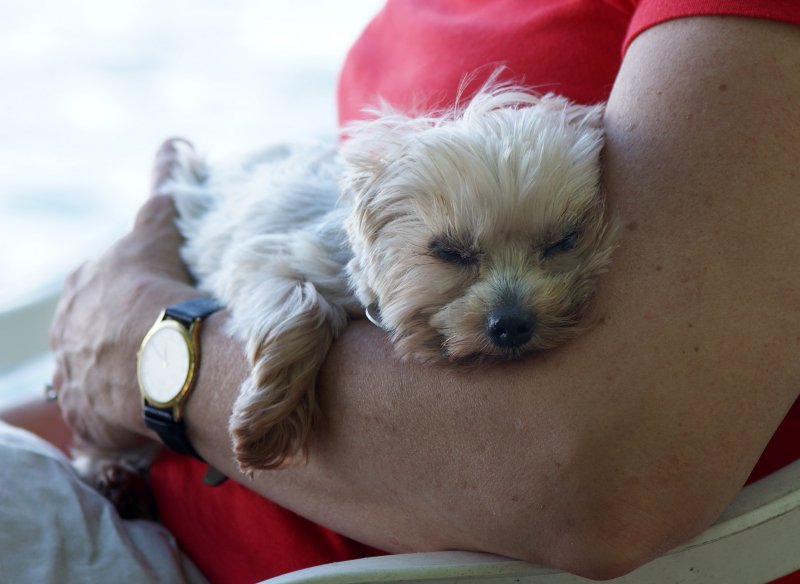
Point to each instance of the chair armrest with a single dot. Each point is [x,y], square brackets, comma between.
[439,567]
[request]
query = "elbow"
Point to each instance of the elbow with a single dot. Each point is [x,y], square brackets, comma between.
[600,557]
[611,516]
[614,543]
[605,540]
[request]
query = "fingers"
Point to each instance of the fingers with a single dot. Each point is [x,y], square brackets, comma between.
[157,214]
[166,158]
[56,333]
[58,343]
[156,241]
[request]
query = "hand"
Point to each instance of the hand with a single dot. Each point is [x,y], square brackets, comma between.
[106,307]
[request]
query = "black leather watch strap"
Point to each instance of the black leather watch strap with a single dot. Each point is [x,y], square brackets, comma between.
[162,420]
[191,310]
[171,432]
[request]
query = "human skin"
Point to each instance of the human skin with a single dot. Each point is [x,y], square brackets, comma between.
[594,457]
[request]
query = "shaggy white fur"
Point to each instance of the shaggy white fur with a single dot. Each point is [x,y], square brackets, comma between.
[476,233]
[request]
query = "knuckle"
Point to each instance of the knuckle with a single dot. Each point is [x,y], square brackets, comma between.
[170,146]
[166,161]
[71,287]
[58,377]
[54,333]
[74,277]
[57,325]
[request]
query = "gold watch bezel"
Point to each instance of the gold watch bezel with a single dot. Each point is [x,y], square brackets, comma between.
[191,338]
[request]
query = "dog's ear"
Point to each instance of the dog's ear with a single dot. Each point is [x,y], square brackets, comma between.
[369,145]
[373,152]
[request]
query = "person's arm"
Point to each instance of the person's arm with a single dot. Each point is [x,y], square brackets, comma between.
[600,455]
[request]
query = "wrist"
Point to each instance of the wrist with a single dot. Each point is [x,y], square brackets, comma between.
[149,297]
[222,369]
[168,363]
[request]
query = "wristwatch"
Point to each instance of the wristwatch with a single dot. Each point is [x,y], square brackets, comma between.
[167,365]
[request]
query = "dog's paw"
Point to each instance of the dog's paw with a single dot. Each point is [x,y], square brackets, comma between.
[127,489]
[260,447]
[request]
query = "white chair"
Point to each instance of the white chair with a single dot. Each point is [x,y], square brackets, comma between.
[755,541]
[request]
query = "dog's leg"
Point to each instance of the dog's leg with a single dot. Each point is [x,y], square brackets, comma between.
[277,406]
[121,477]
[290,301]
[286,291]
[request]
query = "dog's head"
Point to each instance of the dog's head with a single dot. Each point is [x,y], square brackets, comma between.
[481,232]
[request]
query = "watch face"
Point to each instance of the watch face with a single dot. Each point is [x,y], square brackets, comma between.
[164,362]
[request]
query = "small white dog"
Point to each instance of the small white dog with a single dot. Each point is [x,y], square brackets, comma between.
[477,233]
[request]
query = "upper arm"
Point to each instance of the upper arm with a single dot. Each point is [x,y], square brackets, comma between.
[703,129]
[702,306]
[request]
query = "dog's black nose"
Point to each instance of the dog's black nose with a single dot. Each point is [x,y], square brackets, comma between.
[510,326]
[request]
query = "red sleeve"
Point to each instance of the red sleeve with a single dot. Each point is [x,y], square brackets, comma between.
[649,13]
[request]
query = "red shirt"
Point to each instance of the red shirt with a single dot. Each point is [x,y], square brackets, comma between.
[415,54]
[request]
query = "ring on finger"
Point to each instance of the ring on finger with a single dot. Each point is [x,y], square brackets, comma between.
[50,393]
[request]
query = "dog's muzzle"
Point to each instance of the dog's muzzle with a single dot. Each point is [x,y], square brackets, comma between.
[510,326]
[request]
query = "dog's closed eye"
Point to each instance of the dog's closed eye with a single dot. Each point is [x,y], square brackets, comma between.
[453,253]
[567,242]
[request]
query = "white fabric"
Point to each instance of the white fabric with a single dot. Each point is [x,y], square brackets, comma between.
[54,528]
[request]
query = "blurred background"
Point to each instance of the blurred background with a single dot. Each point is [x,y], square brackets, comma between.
[91,88]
